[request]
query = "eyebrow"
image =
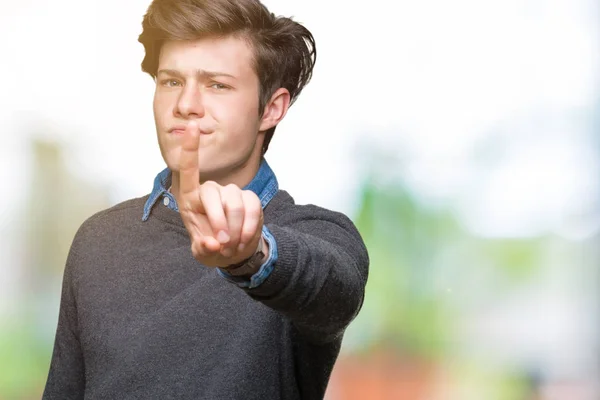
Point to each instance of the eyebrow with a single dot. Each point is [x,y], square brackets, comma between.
[200,73]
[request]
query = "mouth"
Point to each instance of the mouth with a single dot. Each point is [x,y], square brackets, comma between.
[179,130]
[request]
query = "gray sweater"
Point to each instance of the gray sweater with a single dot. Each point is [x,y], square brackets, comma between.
[140,318]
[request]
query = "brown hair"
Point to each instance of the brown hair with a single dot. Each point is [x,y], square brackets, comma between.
[284,50]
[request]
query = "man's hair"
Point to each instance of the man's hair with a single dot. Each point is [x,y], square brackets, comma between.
[284,51]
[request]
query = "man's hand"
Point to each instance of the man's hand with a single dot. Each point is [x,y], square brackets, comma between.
[224,222]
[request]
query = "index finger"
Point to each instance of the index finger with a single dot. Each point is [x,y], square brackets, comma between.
[189,175]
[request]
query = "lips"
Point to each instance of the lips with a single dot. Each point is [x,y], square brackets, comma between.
[177,130]
[180,130]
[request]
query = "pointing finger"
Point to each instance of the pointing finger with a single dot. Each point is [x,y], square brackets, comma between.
[189,174]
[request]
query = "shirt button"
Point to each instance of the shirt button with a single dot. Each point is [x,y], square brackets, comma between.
[166,201]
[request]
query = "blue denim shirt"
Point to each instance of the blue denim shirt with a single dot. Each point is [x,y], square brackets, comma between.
[264,184]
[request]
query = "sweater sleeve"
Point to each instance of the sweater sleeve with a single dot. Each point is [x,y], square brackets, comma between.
[66,379]
[319,278]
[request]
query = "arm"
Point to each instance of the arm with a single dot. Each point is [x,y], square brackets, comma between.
[319,278]
[66,378]
[320,268]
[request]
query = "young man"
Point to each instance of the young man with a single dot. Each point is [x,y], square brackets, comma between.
[215,285]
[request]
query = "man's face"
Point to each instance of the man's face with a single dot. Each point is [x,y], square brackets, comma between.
[211,81]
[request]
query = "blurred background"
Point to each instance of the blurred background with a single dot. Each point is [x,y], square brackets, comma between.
[462,137]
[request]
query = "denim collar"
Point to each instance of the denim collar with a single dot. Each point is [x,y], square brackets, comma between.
[264,184]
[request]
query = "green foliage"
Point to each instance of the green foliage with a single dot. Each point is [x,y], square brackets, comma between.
[402,239]
[24,360]
[518,259]
[415,250]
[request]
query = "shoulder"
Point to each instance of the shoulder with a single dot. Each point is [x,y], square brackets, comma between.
[283,211]
[283,206]
[314,224]
[98,233]
[111,219]
[128,208]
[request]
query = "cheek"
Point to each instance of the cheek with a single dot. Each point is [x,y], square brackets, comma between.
[161,106]
[155,101]
[240,115]
[157,111]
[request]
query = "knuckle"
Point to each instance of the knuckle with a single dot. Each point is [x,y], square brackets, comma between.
[206,186]
[251,198]
[235,208]
[248,232]
[231,192]
[255,211]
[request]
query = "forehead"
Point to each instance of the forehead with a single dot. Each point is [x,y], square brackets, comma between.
[230,55]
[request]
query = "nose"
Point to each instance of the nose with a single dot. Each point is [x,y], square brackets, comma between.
[189,104]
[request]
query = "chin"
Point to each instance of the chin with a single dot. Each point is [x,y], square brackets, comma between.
[171,158]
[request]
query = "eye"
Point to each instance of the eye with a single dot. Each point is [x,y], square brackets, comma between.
[218,86]
[170,82]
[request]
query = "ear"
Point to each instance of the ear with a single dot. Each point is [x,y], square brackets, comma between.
[275,109]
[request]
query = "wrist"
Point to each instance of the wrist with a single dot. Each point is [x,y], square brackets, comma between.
[263,245]
[252,264]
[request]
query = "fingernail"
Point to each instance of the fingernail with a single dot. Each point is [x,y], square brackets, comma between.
[241,247]
[222,237]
